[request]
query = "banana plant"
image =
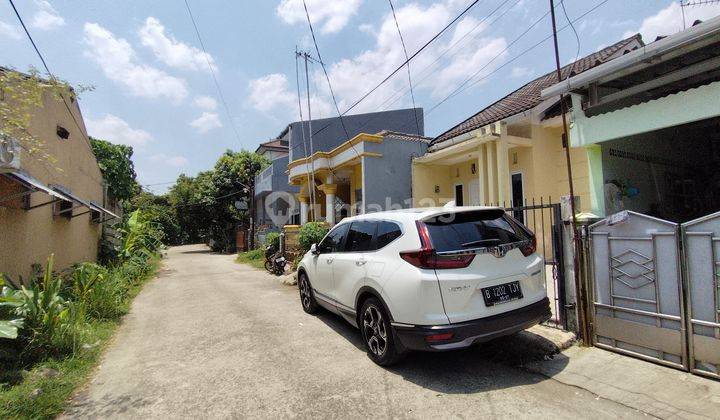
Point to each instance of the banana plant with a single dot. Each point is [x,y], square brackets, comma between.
[10,300]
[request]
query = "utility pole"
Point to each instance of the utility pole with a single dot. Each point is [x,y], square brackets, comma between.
[579,287]
[306,56]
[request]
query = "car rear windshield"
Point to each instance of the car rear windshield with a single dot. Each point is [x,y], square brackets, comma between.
[476,229]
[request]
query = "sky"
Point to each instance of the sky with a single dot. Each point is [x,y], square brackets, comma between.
[154,86]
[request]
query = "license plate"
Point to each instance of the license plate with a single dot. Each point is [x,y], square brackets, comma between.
[502,293]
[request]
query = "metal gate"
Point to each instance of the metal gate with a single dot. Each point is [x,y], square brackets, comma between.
[656,289]
[544,220]
[701,240]
[637,301]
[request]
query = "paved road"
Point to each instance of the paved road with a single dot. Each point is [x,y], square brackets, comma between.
[211,338]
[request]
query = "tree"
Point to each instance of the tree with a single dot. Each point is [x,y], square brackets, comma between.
[118,169]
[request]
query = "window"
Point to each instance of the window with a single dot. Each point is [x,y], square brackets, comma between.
[62,132]
[475,229]
[360,237]
[95,216]
[386,233]
[334,240]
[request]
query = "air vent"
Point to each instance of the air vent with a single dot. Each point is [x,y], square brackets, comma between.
[62,132]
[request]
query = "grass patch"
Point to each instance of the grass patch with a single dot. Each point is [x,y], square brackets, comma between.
[255,258]
[57,379]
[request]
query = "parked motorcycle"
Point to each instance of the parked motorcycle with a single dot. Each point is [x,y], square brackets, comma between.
[274,261]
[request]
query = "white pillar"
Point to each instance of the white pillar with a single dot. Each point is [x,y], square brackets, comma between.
[491,164]
[303,211]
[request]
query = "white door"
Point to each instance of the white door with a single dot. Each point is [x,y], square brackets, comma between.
[474,187]
[330,247]
[349,268]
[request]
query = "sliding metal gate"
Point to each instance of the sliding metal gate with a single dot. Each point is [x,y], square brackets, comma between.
[638,296]
[656,291]
[701,239]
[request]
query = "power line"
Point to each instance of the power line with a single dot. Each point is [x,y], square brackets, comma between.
[212,72]
[527,50]
[436,36]
[407,58]
[577,37]
[52,76]
[332,92]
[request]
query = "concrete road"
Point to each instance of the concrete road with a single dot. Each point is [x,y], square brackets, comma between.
[210,338]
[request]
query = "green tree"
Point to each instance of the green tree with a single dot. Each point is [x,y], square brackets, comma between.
[118,169]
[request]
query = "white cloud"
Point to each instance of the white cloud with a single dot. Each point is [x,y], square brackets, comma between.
[116,130]
[9,31]
[119,63]
[171,51]
[330,15]
[354,76]
[175,161]
[521,72]
[46,18]
[205,102]
[206,122]
[271,91]
[670,20]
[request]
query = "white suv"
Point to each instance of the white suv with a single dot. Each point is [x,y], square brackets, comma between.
[427,279]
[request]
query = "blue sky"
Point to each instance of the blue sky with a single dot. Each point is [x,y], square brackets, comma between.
[154,90]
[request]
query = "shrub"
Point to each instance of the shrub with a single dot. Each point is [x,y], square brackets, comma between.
[311,233]
[273,239]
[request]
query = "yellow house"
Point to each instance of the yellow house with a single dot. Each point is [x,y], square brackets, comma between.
[53,200]
[511,152]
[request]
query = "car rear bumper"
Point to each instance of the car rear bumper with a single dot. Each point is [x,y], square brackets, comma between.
[465,334]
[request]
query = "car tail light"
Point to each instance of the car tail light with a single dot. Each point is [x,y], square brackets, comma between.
[438,337]
[426,257]
[530,247]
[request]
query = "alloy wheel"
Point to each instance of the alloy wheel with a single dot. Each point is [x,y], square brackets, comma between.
[305,292]
[375,331]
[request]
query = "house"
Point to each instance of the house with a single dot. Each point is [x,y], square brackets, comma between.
[511,152]
[354,172]
[52,201]
[650,123]
[282,207]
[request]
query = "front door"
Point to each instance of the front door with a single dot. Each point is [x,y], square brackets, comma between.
[459,195]
[517,196]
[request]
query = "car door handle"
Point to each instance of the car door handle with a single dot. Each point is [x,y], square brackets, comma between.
[361,261]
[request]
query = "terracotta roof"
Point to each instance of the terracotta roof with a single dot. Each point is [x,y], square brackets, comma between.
[528,96]
[276,144]
[404,136]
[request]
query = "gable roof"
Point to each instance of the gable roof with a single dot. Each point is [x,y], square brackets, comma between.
[528,96]
[404,136]
[275,145]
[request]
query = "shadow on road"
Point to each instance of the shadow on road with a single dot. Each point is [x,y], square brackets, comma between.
[200,251]
[483,367]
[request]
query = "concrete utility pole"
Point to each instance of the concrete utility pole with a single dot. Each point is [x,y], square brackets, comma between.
[579,287]
[306,56]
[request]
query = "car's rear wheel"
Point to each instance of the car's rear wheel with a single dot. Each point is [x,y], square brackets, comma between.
[307,298]
[377,333]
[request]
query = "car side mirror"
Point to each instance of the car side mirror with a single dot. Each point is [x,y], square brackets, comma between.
[314,249]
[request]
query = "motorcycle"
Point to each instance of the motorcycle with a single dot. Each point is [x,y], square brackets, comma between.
[275,262]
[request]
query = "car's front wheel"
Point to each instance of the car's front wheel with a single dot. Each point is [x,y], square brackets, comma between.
[377,333]
[307,298]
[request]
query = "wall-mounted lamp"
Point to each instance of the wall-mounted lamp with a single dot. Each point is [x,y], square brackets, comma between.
[473,169]
[437,189]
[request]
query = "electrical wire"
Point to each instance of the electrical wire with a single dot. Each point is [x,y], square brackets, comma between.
[52,76]
[577,37]
[212,72]
[407,58]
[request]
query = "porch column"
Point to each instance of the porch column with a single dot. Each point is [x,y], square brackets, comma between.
[330,190]
[595,170]
[503,171]
[303,199]
[481,174]
[490,162]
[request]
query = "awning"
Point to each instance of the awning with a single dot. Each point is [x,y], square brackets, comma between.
[57,192]
[36,185]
